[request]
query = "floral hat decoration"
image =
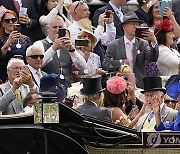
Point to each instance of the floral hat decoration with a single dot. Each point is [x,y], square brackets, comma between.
[2,11]
[116,85]
[165,26]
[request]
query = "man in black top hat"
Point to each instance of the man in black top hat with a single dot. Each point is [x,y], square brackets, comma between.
[154,96]
[92,90]
[131,50]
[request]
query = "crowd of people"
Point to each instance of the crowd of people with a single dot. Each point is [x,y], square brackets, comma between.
[115,67]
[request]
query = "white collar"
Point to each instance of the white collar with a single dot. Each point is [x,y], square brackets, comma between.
[115,8]
[128,41]
[33,70]
[49,40]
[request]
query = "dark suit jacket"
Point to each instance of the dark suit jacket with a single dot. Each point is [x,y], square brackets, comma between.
[141,52]
[119,30]
[176,10]
[34,31]
[90,109]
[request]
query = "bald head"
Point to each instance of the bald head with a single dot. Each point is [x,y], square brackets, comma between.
[79,10]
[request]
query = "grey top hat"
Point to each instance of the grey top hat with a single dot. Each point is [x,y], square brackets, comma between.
[130,17]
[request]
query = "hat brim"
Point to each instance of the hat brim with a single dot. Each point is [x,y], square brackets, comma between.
[89,93]
[155,89]
[173,90]
[133,20]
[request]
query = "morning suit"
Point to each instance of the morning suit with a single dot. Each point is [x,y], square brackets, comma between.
[56,63]
[141,51]
[167,114]
[8,101]
[91,109]
[34,30]
[117,21]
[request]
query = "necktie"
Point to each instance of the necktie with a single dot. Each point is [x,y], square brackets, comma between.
[18,95]
[129,47]
[151,115]
[120,15]
[39,75]
[16,3]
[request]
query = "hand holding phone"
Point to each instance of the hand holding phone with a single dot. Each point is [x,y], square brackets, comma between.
[107,12]
[25,68]
[140,30]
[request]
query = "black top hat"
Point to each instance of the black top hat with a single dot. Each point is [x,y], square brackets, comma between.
[153,84]
[130,17]
[91,84]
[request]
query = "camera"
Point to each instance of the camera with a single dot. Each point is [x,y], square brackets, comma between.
[81,43]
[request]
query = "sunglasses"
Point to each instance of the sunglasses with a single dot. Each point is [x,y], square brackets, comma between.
[36,56]
[18,56]
[172,101]
[7,21]
[80,2]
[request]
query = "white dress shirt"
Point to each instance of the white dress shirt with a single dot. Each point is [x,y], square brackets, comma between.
[93,63]
[78,61]
[99,33]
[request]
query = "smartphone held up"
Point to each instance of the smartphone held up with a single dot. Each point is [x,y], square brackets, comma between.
[140,30]
[17,27]
[81,43]
[61,32]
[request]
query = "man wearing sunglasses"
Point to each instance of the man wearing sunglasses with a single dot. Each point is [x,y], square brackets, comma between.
[19,84]
[34,58]
[29,21]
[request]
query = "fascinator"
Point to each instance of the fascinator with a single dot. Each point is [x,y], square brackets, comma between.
[165,26]
[2,11]
[116,85]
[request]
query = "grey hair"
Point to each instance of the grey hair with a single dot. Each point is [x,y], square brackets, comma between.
[14,60]
[34,46]
[57,17]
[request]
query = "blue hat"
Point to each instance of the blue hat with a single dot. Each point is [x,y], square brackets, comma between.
[173,86]
[53,83]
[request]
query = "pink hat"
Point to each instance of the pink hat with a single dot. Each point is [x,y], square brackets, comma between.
[116,85]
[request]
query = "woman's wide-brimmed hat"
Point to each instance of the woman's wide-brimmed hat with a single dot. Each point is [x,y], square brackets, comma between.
[85,26]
